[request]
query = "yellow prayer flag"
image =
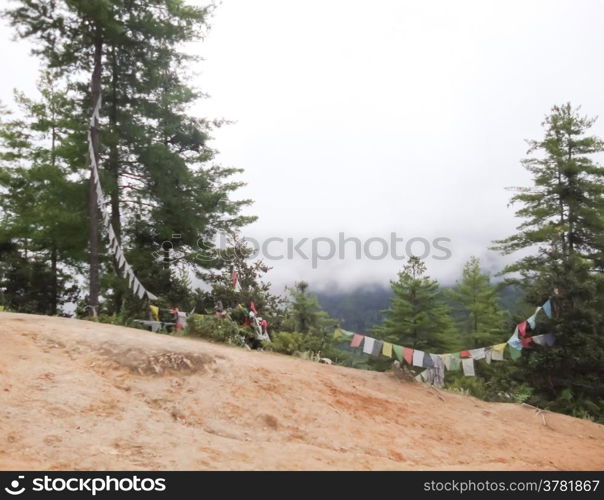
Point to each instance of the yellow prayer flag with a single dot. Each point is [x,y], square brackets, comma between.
[154,312]
[499,347]
[387,349]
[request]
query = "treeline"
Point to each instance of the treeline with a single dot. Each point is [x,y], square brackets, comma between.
[156,165]
[363,308]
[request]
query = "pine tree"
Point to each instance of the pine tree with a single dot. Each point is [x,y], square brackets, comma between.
[156,165]
[418,316]
[305,318]
[480,319]
[564,226]
[42,204]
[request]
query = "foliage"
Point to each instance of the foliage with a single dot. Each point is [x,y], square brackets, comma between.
[304,314]
[479,318]
[219,329]
[157,166]
[237,257]
[289,342]
[418,316]
[563,225]
[41,237]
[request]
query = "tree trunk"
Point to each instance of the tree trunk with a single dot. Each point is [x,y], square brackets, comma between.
[95,87]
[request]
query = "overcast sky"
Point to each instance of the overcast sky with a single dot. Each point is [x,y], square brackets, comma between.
[389,116]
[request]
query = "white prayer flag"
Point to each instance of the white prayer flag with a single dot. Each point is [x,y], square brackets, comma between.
[418,358]
[120,258]
[477,353]
[446,360]
[488,355]
[468,367]
[368,345]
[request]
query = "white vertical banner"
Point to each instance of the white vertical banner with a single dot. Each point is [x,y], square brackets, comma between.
[135,285]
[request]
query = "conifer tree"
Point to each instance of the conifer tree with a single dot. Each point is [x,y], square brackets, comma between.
[418,316]
[563,214]
[156,164]
[42,204]
[480,320]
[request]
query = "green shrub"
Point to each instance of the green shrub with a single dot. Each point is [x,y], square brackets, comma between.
[288,342]
[209,327]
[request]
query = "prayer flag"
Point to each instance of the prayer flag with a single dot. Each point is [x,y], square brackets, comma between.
[377,348]
[514,341]
[408,355]
[154,312]
[522,328]
[398,352]
[547,308]
[515,353]
[488,355]
[455,362]
[235,281]
[478,353]
[387,349]
[356,340]
[368,345]
[497,352]
[345,333]
[428,363]
[468,367]
[532,321]
[418,357]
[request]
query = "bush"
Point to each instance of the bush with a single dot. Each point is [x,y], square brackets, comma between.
[115,319]
[288,342]
[222,330]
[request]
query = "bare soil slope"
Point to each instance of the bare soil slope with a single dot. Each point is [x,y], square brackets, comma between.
[80,395]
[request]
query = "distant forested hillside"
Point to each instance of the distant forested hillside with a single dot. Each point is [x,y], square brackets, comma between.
[361,309]
[358,310]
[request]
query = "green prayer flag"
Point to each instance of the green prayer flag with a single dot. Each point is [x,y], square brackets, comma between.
[339,333]
[398,352]
[515,353]
[455,362]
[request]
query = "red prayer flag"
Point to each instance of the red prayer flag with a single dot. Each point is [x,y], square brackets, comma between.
[253,307]
[356,340]
[522,328]
[465,354]
[526,341]
[408,355]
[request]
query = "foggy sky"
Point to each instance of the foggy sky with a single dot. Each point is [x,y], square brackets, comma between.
[388,116]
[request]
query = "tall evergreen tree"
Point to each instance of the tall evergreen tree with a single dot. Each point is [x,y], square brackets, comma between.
[564,226]
[156,164]
[41,226]
[479,318]
[418,316]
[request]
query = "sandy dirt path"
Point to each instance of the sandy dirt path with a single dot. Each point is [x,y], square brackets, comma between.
[80,395]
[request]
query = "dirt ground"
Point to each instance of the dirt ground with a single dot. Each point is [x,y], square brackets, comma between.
[79,395]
